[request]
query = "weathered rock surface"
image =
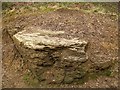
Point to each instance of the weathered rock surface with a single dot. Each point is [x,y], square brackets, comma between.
[52,59]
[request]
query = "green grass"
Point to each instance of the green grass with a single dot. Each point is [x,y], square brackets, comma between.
[98,7]
[7,5]
[110,7]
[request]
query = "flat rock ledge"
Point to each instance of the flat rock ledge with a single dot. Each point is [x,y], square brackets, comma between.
[52,59]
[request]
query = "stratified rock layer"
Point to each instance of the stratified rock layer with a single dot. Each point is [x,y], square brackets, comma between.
[52,59]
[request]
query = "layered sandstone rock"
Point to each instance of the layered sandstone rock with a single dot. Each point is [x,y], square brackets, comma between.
[52,59]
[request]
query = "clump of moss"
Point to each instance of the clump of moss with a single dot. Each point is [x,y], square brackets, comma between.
[29,80]
[106,72]
[94,75]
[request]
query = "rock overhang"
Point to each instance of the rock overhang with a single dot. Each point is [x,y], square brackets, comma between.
[44,38]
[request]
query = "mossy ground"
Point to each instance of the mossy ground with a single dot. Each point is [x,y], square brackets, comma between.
[32,81]
[17,8]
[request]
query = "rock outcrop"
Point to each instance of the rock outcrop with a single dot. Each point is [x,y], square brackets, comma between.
[51,58]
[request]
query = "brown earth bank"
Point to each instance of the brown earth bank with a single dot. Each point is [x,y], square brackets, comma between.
[99,30]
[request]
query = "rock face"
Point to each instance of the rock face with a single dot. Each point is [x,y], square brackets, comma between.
[51,58]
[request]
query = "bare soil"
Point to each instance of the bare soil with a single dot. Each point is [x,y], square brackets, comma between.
[100,30]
